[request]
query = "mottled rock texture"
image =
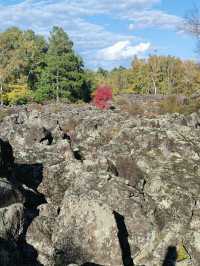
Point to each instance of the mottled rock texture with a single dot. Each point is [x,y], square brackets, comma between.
[92,187]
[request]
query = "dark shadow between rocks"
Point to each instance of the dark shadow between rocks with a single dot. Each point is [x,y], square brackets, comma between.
[170,257]
[10,254]
[47,136]
[66,137]
[197,125]
[29,254]
[123,240]
[6,158]
[30,176]
[26,178]
[77,155]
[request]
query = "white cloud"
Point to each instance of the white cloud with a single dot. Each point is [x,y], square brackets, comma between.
[153,18]
[123,50]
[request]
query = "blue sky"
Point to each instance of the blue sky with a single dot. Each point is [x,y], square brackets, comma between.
[108,33]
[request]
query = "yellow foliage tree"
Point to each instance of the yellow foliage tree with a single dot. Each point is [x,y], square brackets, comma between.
[18,94]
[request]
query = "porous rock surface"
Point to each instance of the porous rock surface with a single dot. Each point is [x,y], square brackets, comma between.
[109,189]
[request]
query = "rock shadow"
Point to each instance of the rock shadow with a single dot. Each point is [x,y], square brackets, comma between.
[28,178]
[77,155]
[47,136]
[170,257]
[6,158]
[123,239]
[30,175]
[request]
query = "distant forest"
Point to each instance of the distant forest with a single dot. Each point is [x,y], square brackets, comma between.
[154,75]
[33,68]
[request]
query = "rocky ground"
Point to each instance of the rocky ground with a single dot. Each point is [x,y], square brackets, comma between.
[81,186]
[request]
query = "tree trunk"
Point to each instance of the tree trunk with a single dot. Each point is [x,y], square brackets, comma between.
[154,84]
[152,74]
[1,93]
[57,87]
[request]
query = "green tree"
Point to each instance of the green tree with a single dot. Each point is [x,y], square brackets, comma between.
[20,53]
[63,73]
[9,42]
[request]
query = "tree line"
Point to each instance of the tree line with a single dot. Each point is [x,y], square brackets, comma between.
[164,75]
[34,68]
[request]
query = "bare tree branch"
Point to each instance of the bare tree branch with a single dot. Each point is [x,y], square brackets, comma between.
[192,22]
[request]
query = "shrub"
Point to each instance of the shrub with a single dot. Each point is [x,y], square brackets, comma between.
[131,107]
[115,91]
[43,93]
[193,106]
[103,97]
[18,95]
[172,104]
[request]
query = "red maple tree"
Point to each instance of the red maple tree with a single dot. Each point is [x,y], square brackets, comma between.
[103,97]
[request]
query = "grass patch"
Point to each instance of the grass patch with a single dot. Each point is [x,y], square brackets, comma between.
[127,105]
[172,104]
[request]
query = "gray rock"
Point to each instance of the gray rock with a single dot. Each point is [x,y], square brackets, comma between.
[140,172]
[86,231]
[9,194]
[11,225]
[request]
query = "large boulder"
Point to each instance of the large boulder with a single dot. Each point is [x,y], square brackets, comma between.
[11,222]
[39,233]
[86,231]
